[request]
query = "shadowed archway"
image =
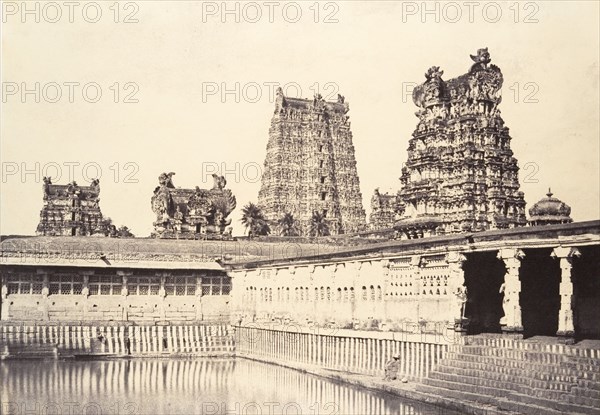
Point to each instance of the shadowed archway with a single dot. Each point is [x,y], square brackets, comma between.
[540,298]
[484,274]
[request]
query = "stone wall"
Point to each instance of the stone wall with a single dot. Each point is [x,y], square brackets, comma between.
[104,308]
[383,294]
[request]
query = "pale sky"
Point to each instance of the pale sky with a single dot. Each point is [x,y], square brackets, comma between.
[375,51]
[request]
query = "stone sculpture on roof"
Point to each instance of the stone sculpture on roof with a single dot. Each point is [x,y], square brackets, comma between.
[192,213]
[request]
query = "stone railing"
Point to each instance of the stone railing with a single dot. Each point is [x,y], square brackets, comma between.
[353,351]
[117,340]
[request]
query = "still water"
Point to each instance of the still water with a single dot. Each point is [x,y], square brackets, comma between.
[200,386]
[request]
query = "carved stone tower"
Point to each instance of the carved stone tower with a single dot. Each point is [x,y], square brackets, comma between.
[461,175]
[71,210]
[310,165]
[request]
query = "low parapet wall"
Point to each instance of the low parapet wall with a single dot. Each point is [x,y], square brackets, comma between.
[31,341]
[360,352]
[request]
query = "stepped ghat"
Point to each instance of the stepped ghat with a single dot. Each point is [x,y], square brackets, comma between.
[533,377]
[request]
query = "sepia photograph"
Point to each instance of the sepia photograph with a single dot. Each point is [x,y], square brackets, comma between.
[353,207]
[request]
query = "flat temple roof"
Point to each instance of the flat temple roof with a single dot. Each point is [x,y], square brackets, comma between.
[200,254]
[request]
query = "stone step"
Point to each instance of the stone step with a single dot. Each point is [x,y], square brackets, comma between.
[507,343]
[31,351]
[551,371]
[582,367]
[592,385]
[584,352]
[585,401]
[457,394]
[508,404]
[22,347]
[563,367]
[494,361]
[502,385]
[526,400]
[530,380]
[529,355]
[592,361]
[465,387]
[461,405]
[583,349]
[502,404]
[584,379]
[540,372]
[569,406]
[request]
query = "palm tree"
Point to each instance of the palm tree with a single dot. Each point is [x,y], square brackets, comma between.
[287,225]
[125,232]
[318,226]
[254,220]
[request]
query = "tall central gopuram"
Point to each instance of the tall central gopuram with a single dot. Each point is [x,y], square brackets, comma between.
[310,165]
[461,175]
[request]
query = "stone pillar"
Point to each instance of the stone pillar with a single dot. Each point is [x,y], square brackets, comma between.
[511,321]
[198,294]
[85,292]
[457,292]
[415,275]
[3,299]
[162,294]
[45,294]
[385,283]
[566,327]
[125,293]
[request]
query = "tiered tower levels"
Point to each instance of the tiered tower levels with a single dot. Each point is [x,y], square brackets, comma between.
[461,175]
[71,210]
[310,165]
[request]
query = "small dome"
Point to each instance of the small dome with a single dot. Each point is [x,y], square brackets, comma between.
[549,211]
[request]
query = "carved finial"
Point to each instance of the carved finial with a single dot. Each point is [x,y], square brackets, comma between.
[549,194]
[166,179]
[483,56]
[481,59]
[340,99]
[434,73]
[219,182]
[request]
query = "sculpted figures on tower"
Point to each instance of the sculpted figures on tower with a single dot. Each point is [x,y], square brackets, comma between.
[188,213]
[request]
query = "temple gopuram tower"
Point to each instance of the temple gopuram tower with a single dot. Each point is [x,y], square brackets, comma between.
[461,175]
[310,165]
[71,210]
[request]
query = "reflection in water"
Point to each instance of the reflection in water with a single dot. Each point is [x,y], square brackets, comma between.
[201,386]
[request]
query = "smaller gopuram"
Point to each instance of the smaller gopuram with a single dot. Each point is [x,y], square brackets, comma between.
[549,211]
[383,210]
[461,174]
[192,213]
[71,210]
